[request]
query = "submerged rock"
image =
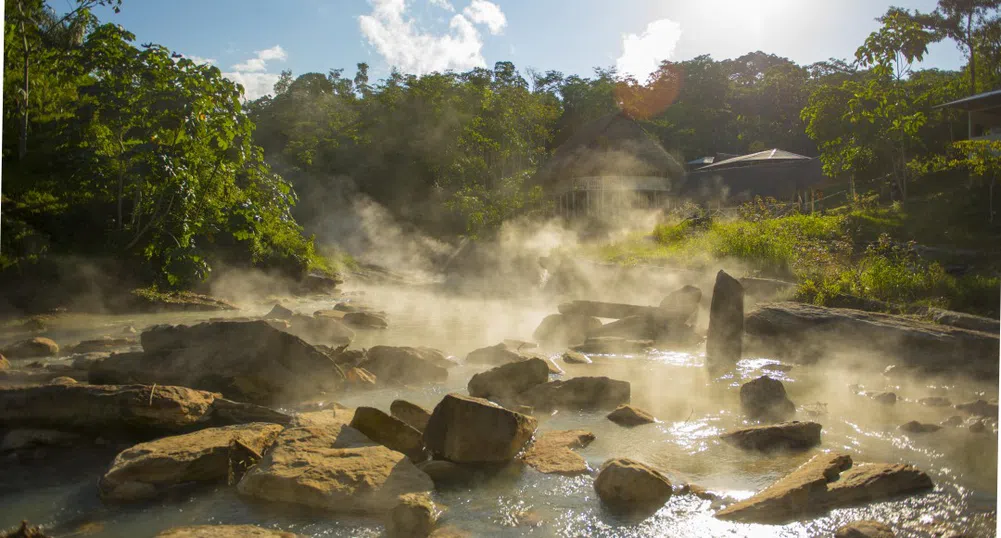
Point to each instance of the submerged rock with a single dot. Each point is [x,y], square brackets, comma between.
[333,468]
[726,322]
[625,485]
[414,517]
[367,320]
[826,481]
[627,415]
[390,432]
[406,365]
[551,452]
[935,401]
[224,531]
[577,393]
[411,413]
[464,429]
[146,469]
[885,398]
[917,427]
[562,330]
[980,408]
[765,398]
[864,529]
[510,379]
[31,348]
[786,435]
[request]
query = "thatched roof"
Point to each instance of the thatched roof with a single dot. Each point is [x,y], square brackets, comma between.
[613,145]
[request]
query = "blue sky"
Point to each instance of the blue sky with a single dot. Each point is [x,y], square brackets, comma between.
[253,40]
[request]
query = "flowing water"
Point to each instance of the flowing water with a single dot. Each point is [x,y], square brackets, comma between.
[692,408]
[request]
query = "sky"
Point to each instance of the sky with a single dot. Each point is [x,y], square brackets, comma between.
[252,41]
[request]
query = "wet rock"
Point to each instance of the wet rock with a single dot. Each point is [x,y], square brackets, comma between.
[413,517]
[573,357]
[979,408]
[146,469]
[826,481]
[577,393]
[414,415]
[231,412]
[333,468]
[244,360]
[31,348]
[367,320]
[681,304]
[561,330]
[613,345]
[334,417]
[464,429]
[320,330]
[279,312]
[917,427]
[525,410]
[885,398]
[129,330]
[62,380]
[224,531]
[496,355]
[600,309]
[102,344]
[954,420]
[390,432]
[726,322]
[25,531]
[36,377]
[445,473]
[360,377]
[147,300]
[978,427]
[552,453]
[84,361]
[786,435]
[4,363]
[405,365]
[632,328]
[864,529]
[28,438]
[348,307]
[508,380]
[519,345]
[625,485]
[765,398]
[935,401]
[627,415]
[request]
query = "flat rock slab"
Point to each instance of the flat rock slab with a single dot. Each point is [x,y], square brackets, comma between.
[600,309]
[333,468]
[577,393]
[552,453]
[145,470]
[627,415]
[826,481]
[786,435]
[463,429]
[390,432]
[225,531]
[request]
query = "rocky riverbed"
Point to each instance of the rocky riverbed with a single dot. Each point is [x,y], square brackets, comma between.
[398,411]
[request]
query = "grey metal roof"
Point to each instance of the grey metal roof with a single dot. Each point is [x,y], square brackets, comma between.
[768,155]
[980,101]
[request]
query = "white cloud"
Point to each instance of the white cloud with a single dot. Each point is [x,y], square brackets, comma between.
[398,38]
[642,54]
[253,75]
[488,13]
[444,4]
[199,60]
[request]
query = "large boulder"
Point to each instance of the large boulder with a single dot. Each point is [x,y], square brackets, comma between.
[508,380]
[808,332]
[406,365]
[625,485]
[787,435]
[244,360]
[32,348]
[627,415]
[765,398]
[333,468]
[224,531]
[726,322]
[680,305]
[390,432]
[411,413]
[864,529]
[562,329]
[414,517]
[826,481]
[551,452]
[577,393]
[146,469]
[463,429]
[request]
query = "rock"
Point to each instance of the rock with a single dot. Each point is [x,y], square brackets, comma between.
[613,345]
[36,377]
[414,517]
[405,365]
[681,304]
[25,531]
[808,332]
[318,283]
[147,300]
[390,432]
[279,312]
[786,435]
[979,408]
[63,380]
[726,322]
[31,348]
[244,360]
[525,410]
[965,321]
[826,481]
[497,355]
[335,416]
[366,320]
[4,363]
[627,415]
[510,379]
[360,377]
[203,456]
[231,412]
[625,485]
[978,427]
[464,429]
[561,330]
[633,328]
[600,309]
[551,452]
[333,468]
[573,357]
[320,330]
[954,420]
[577,393]
[414,415]
[28,438]
[885,398]
[224,531]
[102,344]
[765,398]
[348,307]
[129,329]
[935,401]
[864,529]
[917,427]
[446,473]
[519,345]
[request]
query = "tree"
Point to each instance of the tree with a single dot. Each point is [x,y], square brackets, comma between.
[968,23]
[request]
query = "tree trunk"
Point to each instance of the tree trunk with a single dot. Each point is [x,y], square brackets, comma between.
[973,52]
[22,141]
[121,182]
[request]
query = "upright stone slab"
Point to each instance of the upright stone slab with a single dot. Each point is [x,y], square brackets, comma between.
[726,322]
[463,429]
